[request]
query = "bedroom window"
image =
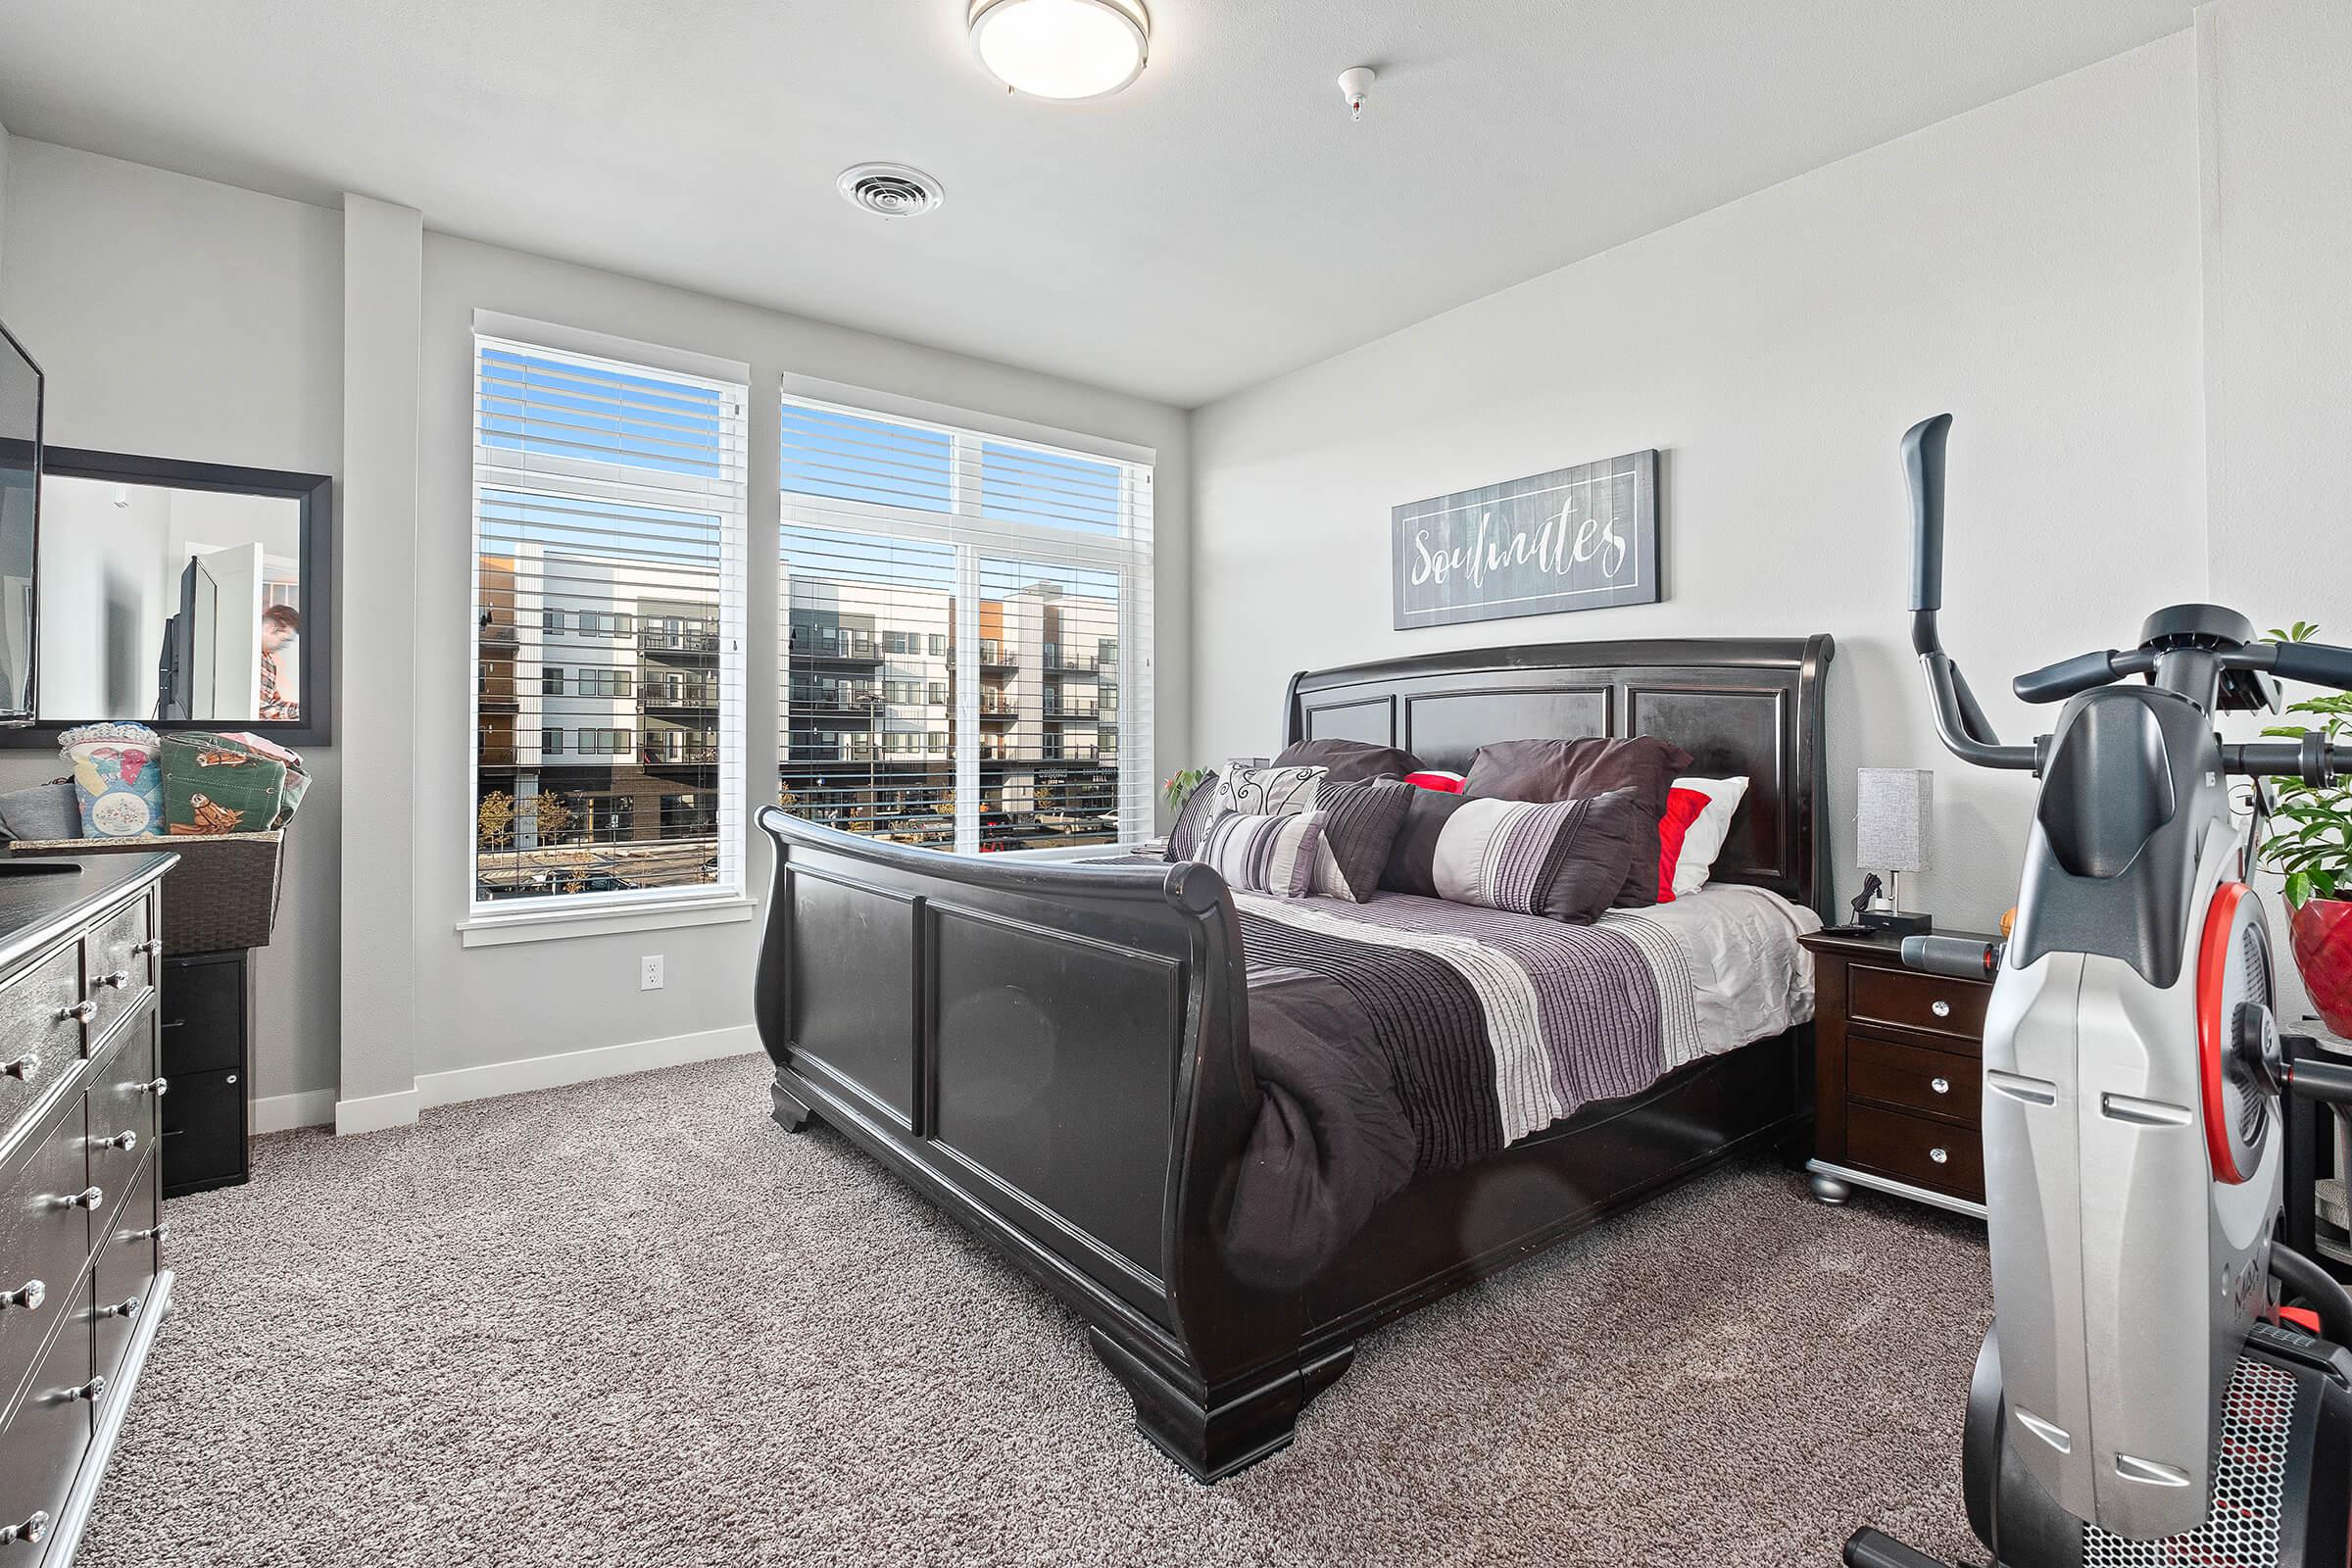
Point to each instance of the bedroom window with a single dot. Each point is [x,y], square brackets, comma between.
[954,599]
[608,593]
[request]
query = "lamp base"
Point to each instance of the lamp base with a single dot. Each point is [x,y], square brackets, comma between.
[1896,923]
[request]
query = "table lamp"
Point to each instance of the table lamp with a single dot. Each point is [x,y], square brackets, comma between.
[1893,809]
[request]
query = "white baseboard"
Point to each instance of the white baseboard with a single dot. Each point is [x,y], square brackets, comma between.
[496,1078]
[375,1114]
[278,1114]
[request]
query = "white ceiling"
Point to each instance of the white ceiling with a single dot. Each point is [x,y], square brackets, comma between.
[1219,222]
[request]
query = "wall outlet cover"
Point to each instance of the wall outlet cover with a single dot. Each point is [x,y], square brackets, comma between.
[649,972]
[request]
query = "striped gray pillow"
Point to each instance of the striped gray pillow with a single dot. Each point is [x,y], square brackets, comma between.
[1564,859]
[1359,824]
[1263,853]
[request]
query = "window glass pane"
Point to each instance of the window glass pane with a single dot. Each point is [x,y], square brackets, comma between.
[1048,767]
[1047,489]
[545,404]
[844,458]
[868,683]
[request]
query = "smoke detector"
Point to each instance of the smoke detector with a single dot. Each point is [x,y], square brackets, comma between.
[889,190]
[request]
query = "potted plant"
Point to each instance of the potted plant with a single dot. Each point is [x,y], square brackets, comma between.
[2311,843]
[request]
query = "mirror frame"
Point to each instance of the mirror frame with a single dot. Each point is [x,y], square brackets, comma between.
[314,492]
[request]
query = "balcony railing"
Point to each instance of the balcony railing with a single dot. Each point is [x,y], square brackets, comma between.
[1069,663]
[1069,708]
[841,647]
[694,753]
[650,698]
[687,640]
[998,655]
[835,700]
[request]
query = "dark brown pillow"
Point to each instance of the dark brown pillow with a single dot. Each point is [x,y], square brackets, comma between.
[1349,761]
[1580,770]
[1360,827]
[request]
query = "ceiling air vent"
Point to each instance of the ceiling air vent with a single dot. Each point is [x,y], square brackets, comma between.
[890,190]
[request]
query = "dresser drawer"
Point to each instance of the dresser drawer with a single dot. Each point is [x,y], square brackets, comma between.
[1910,1000]
[45,1440]
[43,1243]
[1913,1148]
[203,1132]
[203,1011]
[122,1125]
[1940,1083]
[41,1034]
[126,1269]
[120,954]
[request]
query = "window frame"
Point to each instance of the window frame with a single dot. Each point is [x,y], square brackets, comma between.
[495,922]
[976,538]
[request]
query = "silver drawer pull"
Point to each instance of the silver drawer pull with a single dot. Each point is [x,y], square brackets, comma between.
[125,1141]
[89,1197]
[155,1087]
[79,1013]
[1942,1086]
[90,1393]
[153,946]
[23,1067]
[1940,1009]
[118,980]
[1938,1155]
[157,1233]
[122,1309]
[30,1296]
[33,1530]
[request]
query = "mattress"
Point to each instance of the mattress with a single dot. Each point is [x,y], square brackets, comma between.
[1408,1033]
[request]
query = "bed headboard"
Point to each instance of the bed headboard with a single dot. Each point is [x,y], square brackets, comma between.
[1736,704]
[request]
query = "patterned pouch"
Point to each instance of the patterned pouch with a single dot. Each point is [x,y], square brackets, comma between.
[219,784]
[116,780]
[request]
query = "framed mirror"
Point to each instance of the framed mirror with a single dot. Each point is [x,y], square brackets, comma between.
[183,595]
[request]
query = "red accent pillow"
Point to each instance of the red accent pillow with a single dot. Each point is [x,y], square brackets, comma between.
[1443,783]
[1682,807]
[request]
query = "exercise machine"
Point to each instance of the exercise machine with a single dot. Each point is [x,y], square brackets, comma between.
[2148,1394]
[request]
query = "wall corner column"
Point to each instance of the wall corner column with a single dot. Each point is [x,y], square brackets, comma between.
[383,308]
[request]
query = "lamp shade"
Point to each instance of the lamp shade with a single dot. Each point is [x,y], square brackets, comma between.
[1892,809]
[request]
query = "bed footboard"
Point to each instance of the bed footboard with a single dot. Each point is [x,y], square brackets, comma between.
[1057,1056]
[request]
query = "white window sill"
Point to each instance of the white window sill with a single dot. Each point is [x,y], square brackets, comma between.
[557,925]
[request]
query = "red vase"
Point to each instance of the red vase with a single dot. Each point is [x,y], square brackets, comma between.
[2323,943]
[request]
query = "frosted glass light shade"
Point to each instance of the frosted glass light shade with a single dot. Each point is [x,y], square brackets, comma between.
[1061,48]
[1894,807]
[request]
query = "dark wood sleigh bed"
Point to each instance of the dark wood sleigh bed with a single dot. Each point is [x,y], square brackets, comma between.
[1057,1054]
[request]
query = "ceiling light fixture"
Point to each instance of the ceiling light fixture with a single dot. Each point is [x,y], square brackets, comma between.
[1065,49]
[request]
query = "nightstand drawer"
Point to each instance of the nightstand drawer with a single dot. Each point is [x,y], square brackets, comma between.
[1916,1150]
[1940,1083]
[1908,1000]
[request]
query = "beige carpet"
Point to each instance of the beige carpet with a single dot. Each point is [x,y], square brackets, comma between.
[634,1322]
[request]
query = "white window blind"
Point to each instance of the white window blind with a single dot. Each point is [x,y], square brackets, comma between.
[609,598]
[967,633]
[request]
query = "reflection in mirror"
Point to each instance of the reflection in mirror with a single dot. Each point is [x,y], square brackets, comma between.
[161,603]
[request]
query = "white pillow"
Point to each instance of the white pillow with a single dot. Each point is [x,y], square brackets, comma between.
[1704,839]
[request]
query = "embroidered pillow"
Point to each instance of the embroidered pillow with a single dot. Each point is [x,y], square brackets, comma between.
[1263,853]
[1349,761]
[1255,791]
[1199,806]
[1359,824]
[1562,858]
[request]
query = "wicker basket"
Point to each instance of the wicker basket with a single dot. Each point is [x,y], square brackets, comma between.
[223,894]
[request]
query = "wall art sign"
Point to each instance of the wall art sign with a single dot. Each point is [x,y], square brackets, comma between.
[1573,539]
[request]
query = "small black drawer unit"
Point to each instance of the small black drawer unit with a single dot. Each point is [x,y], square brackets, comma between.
[205,1016]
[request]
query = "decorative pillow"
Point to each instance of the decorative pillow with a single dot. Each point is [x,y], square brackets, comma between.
[1359,824]
[41,812]
[220,784]
[1255,791]
[1563,770]
[1199,806]
[1443,782]
[1349,761]
[1708,832]
[1257,853]
[1682,810]
[116,779]
[1562,858]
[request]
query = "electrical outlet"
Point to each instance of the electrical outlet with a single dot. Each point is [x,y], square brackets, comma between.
[649,972]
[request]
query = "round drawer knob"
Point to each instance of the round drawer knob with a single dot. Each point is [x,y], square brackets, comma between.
[1940,1009]
[118,980]
[30,1296]
[123,1310]
[22,1067]
[33,1530]
[1938,1155]
[155,1087]
[125,1141]
[79,1013]
[1942,1086]
[152,946]
[158,1233]
[90,1393]
[90,1197]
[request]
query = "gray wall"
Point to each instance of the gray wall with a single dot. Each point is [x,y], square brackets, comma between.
[2032,267]
[175,317]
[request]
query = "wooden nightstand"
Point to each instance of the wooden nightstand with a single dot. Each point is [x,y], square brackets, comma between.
[1898,1075]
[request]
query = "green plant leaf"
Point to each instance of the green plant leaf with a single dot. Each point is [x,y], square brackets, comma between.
[2298,889]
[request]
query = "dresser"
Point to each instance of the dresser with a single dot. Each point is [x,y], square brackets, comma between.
[1899,1075]
[82,1290]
